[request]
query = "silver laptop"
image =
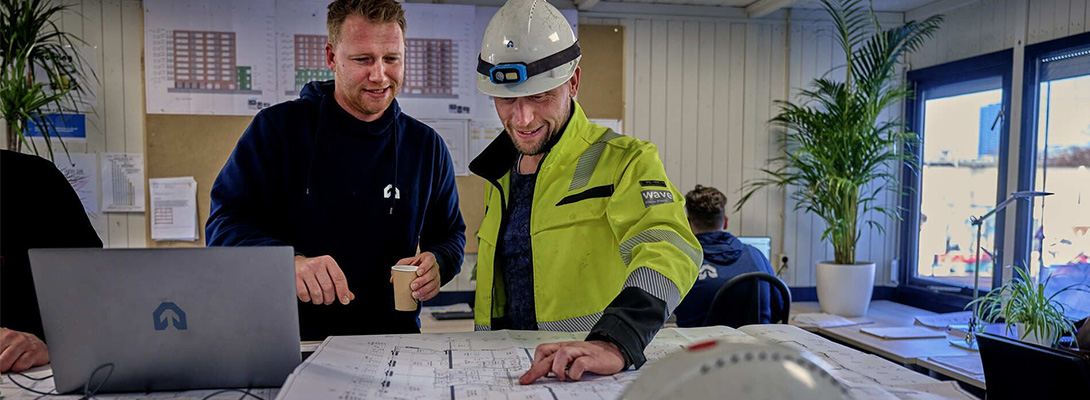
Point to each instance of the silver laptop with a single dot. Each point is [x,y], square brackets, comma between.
[168,319]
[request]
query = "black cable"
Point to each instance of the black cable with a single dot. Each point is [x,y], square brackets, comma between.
[87,392]
[245,393]
[20,385]
[90,394]
[33,378]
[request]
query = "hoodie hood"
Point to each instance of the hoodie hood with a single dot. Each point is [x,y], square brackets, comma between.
[720,247]
[321,94]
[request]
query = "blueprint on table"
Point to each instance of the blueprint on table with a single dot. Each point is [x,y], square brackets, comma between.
[487,365]
[478,365]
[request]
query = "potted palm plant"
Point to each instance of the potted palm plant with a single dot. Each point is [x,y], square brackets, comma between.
[837,153]
[41,71]
[1029,312]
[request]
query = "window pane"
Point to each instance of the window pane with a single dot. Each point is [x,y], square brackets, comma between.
[958,180]
[1060,248]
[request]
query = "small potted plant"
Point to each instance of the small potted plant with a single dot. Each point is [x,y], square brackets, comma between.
[1027,310]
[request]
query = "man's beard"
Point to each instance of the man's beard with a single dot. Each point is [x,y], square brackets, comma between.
[535,148]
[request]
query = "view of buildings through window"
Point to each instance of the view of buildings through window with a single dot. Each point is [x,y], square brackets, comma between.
[1060,248]
[959,173]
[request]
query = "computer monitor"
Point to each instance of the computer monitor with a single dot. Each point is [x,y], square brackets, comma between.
[168,319]
[1014,369]
[762,243]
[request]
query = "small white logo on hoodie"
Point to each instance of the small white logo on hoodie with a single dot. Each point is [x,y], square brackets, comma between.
[707,271]
[391,190]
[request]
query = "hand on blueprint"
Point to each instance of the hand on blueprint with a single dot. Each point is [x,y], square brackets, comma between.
[569,360]
[20,351]
[426,285]
[319,280]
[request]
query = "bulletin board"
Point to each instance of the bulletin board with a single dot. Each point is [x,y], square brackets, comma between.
[199,145]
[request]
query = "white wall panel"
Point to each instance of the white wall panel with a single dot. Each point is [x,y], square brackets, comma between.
[988,26]
[703,91]
[114,29]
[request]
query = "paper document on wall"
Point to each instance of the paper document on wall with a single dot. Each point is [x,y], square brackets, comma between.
[481,134]
[122,182]
[82,173]
[942,321]
[213,57]
[174,208]
[455,135]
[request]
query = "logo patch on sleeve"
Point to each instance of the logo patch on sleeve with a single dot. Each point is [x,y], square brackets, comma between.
[656,197]
[653,183]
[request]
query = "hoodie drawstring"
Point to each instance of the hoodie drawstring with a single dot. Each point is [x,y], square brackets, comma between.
[397,140]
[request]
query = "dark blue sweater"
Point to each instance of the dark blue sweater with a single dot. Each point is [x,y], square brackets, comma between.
[724,257]
[308,174]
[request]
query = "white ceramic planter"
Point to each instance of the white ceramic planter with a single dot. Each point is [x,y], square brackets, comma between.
[1038,337]
[845,290]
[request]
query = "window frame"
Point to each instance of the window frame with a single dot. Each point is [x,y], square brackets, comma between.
[1027,157]
[917,291]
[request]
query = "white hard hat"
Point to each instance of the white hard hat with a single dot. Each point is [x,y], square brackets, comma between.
[742,368]
[528,48]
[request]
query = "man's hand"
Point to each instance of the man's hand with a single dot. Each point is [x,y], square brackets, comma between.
[20,351]
[569,360]
[319,280]
[426,285]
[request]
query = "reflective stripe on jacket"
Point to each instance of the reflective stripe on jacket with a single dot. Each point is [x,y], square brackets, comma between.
[604,218]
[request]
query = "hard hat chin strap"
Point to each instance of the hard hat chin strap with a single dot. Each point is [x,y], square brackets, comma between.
[512,73]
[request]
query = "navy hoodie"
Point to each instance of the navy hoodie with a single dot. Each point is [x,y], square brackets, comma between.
[724,257]
[308,174]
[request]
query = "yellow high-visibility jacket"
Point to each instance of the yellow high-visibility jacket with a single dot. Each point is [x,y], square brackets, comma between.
[612,250]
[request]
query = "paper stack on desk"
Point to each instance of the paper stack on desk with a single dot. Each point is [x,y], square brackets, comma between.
[903,332]
[823,320]
[942,321]
[969,364]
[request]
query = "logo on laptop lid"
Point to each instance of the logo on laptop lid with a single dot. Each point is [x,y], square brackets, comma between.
[169,313]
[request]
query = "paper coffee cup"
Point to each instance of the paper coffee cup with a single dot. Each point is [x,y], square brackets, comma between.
[403,294]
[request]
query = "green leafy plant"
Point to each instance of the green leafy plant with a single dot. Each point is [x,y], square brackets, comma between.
[1020,301]
[41,70]
[834,148]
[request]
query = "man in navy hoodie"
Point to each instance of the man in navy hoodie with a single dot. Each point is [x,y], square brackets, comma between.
[724,257]
[350,181]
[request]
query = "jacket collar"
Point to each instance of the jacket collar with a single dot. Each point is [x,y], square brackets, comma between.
[496,159]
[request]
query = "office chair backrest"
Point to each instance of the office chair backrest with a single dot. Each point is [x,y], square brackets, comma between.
[1018,370]
[725,309]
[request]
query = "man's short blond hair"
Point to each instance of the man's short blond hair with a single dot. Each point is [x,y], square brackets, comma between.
[375,11]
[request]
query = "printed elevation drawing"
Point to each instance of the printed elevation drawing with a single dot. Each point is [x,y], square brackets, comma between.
[206,62]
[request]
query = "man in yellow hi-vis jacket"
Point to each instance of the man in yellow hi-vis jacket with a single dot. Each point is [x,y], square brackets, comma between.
[582,230]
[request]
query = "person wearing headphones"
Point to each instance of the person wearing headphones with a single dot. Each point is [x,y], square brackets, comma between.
[582,229]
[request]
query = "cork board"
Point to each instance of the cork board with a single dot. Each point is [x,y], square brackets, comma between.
[601,86]
[190,145]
